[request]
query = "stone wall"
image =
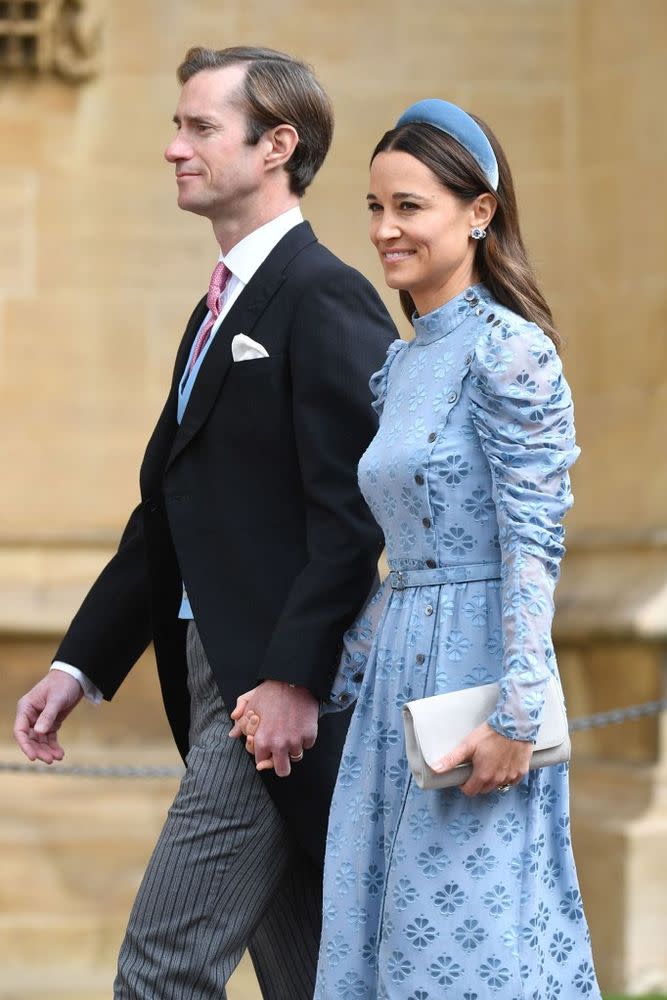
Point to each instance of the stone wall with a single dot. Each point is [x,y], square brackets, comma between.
[98,271]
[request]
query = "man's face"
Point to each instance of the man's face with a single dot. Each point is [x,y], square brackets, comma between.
[218,174]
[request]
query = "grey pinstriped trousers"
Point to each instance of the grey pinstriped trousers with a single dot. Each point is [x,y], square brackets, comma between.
[225,875]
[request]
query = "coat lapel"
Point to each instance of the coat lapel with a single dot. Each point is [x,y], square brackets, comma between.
[162,439]
[241,318]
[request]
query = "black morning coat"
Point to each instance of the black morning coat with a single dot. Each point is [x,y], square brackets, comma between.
[253,502]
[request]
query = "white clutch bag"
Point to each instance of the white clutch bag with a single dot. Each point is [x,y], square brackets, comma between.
[435,726]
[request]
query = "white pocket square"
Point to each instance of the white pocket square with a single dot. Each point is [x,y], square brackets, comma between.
[246,349]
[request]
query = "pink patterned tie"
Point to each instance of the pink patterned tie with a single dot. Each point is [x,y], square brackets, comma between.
[219,279]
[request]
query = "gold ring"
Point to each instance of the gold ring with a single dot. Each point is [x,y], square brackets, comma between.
[297,758]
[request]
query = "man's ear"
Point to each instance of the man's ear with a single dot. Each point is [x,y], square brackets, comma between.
[281,143]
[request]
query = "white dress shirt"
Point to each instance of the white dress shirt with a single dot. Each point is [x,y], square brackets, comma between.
[242,260]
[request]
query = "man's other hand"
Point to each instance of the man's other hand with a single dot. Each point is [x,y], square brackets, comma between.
[41,712]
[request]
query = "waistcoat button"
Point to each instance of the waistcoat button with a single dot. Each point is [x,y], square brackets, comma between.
[419,479]
[430,563]
[428,610]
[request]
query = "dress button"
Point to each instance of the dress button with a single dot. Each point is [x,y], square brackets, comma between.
[490,317]
[432,436]
[426,521]
[358,678]
[479,310]
[430,563]
[453,396]
[419,479]
[428,610]
[344,697]
[469,294]
[420,658]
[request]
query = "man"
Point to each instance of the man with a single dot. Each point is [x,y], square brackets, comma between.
[251,526]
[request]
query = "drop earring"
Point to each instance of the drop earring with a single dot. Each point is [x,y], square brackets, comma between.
[477,233]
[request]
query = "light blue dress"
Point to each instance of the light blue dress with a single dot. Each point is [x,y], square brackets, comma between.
[429,893]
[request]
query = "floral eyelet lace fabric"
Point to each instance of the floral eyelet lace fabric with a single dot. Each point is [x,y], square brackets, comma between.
[430,894]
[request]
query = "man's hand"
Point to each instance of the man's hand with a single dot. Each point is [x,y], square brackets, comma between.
[41,712]
[497,761]
[287,723]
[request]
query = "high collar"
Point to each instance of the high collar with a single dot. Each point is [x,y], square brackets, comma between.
[445,319]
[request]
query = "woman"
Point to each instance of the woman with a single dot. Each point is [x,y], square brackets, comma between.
[468,893]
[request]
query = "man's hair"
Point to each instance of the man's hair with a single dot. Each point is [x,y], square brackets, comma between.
[277,90]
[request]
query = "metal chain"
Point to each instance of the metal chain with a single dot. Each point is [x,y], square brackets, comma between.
[616,715]
[595,721]
[92,771]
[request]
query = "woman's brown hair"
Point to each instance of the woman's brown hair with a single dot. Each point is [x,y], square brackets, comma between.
[501,259]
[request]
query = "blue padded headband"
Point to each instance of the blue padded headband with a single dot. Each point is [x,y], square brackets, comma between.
[455,122]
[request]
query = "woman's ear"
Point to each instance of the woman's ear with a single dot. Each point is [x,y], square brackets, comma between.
[281,143]
[482,211]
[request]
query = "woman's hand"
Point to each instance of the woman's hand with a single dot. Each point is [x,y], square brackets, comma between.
[246,723]
[240,717]
[496,760]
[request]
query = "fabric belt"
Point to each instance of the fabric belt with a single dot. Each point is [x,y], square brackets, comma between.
[462,573]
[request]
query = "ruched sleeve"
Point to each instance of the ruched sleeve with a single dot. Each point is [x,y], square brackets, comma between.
[522,411]
[357,644]
[379,381]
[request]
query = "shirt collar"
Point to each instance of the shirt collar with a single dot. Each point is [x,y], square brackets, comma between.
[445,319]
[246,257]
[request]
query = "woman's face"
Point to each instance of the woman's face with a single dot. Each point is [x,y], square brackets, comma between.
[420,230]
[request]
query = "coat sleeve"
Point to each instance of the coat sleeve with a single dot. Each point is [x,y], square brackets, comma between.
[522,411]
[114,625]
[112,628]
[340,335]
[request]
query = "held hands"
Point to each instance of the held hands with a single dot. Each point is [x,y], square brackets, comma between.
[288,724]
[497,762]
[41,712]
